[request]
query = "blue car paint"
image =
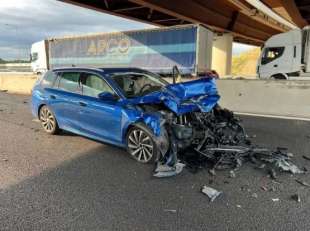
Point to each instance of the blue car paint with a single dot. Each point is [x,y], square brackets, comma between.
[108,121]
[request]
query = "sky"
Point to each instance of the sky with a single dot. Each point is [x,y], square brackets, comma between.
[23,22]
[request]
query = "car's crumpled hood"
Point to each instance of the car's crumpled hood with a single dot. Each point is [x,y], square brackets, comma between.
[197,95]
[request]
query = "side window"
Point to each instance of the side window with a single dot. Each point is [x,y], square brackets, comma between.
[69,81]
[34,56]
[93,85]
[272,53]
[48,79]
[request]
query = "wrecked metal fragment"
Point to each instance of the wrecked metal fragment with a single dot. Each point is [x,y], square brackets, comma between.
[275,199]
[296,198]
[303,183]
[210,192]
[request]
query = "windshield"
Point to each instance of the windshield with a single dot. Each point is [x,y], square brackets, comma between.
[138,84]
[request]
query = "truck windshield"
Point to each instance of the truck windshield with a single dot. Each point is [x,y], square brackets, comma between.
[271,53]
[138,84]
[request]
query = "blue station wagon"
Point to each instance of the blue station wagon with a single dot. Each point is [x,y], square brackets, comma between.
[126,107]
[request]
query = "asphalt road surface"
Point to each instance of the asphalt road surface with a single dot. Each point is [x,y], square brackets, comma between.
[67,182]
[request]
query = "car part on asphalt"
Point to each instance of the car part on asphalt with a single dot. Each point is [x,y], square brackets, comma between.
[168,171]
[210,192]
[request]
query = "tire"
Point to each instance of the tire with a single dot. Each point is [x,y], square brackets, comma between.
[141,145]
[48,120]
[278,77]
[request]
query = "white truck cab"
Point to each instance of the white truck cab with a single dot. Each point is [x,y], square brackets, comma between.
[39,57]
[281,56]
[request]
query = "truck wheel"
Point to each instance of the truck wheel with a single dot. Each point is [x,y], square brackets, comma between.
[278,76]
[141,145]
[48,120]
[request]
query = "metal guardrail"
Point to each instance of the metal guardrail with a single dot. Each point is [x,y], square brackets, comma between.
[15,67]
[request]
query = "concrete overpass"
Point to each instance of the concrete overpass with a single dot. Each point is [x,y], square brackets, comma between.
[245,21]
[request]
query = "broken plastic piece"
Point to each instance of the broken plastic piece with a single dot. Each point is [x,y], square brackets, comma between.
[167,171]
[210,192]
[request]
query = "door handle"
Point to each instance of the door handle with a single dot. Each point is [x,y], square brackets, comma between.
[276,65]
[52,96]
[82,104]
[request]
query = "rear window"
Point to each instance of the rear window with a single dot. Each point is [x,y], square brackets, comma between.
[48,79]
[69,81]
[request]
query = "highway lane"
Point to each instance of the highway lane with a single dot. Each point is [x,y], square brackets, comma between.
[68,182]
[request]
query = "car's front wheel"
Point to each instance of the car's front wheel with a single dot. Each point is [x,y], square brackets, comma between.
[48,120]
[140,144]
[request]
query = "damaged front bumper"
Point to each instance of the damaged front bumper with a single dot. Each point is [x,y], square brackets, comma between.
[190,127]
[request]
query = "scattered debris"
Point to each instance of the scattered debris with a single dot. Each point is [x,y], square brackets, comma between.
[170,210]
[272,174]
[264,188]
[223,144]
[212,172]
[275,199]
[210,192]
[232,174]
[167,171]
[303,183]
[306,157]
[261,166]
[296,198]
[255,195]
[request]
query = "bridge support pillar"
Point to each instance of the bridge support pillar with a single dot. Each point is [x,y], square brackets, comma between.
[222,54]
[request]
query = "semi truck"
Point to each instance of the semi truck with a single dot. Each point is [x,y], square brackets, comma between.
[189,47]
[286,56]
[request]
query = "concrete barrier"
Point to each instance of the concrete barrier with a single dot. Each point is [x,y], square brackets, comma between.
[20,83]
[264,97]
[269,97]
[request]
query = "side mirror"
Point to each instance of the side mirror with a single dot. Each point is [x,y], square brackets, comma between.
[107,96]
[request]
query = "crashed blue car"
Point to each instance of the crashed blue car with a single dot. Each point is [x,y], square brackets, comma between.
[127,107]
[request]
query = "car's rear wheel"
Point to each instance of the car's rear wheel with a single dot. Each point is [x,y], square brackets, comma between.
[48,120]
[140,144]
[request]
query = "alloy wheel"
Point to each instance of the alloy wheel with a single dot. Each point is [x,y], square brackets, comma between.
[140,145]
[47,120]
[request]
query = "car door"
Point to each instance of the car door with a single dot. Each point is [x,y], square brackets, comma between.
[65,98]
[99,118]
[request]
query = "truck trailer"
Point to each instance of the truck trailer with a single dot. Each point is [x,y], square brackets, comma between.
[188,47]
[286,56]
